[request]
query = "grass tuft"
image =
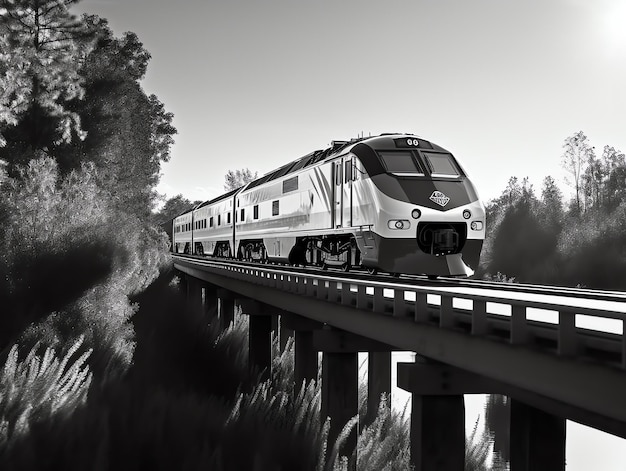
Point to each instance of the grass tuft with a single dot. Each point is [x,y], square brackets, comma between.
[38,387]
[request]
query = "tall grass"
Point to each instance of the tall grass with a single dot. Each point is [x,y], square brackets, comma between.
[185,404]
[39,386]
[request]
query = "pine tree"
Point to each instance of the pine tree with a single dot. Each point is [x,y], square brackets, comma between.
[43,44]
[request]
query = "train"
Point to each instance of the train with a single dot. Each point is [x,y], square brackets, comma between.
[393,203]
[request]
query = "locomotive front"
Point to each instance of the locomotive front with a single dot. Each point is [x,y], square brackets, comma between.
[427,217]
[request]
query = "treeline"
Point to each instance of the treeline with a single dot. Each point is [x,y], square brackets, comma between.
[81,145]
[542,238]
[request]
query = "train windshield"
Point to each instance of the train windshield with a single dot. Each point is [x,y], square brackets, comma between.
[401,162]
[441,165]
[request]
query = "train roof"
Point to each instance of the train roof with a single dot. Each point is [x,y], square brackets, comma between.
[336,148]
[218,199]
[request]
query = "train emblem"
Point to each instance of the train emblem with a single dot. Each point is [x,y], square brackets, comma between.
[440,198]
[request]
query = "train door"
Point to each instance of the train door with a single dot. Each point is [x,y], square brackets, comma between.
[337,216]
[347,191]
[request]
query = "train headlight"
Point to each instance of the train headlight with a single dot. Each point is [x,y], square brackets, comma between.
[416,213]
[477,225]
[467,214]
[398,224]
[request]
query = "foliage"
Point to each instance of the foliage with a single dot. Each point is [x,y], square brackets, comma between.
[385,443]
[106,256]
[577,156]
[129,134]
[38,387]
[537,241]
[173,207]
[85,105]
[238,178]
[43,42]
[497,425]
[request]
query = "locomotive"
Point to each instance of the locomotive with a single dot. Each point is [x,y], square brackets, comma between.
[395,203]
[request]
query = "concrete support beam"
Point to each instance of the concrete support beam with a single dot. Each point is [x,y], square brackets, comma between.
[437,379]
[537,439]
[340,398]
[260,338]
[332,340]
[378,382]
[298,323]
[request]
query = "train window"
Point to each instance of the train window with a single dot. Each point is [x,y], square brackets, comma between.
[228,218]
[275,207]
[291,184]
[255,211]
[348,171]
[219,219]
[243,215]
[441,165]
[400,162]
[338,176]
[211,222]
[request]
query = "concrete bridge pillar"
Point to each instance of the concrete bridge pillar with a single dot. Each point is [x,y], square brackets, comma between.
[537,439]
[194,292]
[378,382]
[209,301]
[305,355]
[340,398]
[260,337]
[226,308]
[340,395]
[438,412]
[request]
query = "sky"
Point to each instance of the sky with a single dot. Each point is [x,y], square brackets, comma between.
[499,83]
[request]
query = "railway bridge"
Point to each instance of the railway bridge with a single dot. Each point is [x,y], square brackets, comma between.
[539,346]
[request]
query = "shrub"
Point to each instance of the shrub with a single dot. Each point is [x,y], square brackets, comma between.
[68,250]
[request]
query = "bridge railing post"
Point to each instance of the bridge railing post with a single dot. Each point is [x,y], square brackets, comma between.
[479,317]
[421,307]
[519,326]
[446,313]
[567,336]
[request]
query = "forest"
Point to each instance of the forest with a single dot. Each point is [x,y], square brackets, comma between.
[547,239]
[104,365]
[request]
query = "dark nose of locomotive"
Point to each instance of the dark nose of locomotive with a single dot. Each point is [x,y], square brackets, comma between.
[441,238]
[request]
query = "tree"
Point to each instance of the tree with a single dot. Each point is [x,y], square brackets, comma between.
[174,207]
[614,162]
[238,178]
[43,43]
[578,153]
[551,203]
[129,134]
